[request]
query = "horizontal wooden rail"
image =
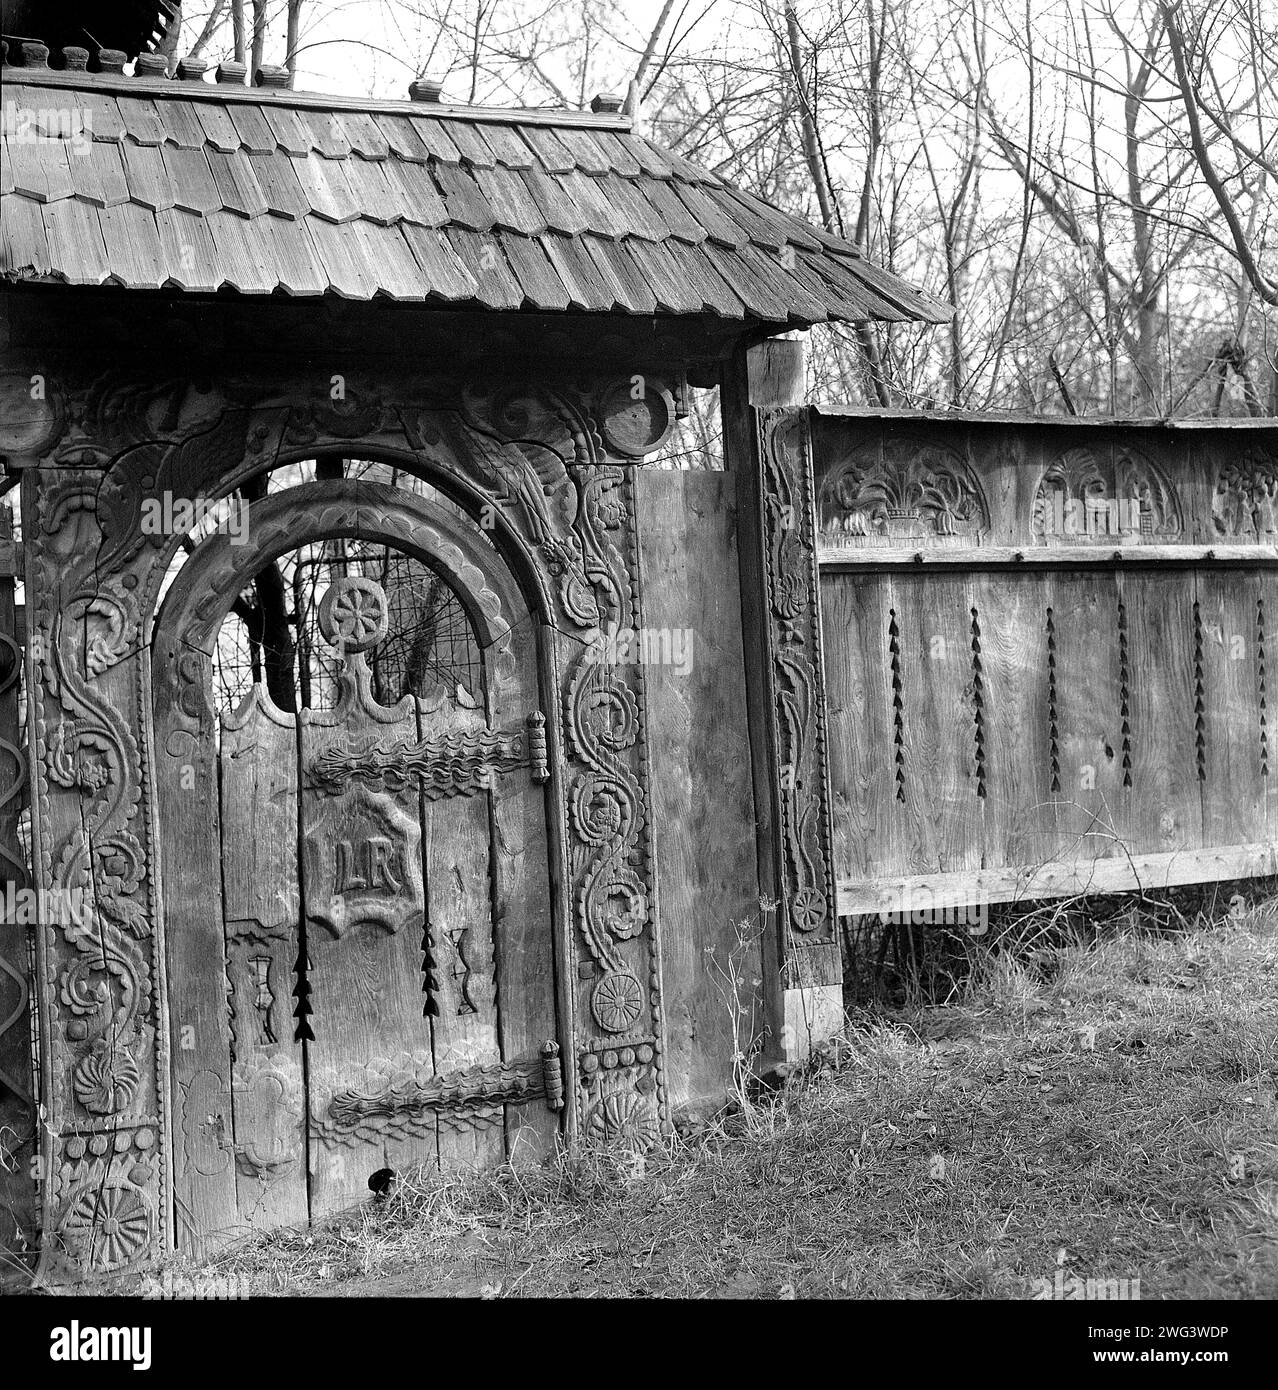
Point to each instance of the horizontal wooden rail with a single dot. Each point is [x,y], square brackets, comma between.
[1118,874]
[836,558]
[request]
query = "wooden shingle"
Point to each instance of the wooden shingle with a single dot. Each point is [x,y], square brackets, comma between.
[543,289]
[363,134]
[76,248]
[296,267]
[274,190]
[277,178]
[142,120]
[24,246]
[147,175]
[495,284]
[236,183]
[132,243]
[630,290]
[442,267]
[191,178]
[418,198]
[324,183]
[290,134]
[189,254]
[219,128]
[467,206]
[558,211]
[587,289]
[509,197]
[256,135]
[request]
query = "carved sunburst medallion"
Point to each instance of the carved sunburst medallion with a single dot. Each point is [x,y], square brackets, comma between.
[353,615]
[617,1001]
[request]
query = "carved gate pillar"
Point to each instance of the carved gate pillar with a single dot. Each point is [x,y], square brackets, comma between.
[767,444]
[99,972]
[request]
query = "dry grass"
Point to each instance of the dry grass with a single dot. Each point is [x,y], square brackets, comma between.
[1106,1107]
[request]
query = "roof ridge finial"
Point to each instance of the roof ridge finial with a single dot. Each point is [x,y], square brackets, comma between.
[428,89]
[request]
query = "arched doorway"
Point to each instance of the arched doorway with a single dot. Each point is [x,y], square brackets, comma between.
[357,890]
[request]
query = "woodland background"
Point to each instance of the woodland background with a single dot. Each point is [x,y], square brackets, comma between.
[1091,182]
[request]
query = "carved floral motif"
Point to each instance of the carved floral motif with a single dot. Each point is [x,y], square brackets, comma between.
[902,492]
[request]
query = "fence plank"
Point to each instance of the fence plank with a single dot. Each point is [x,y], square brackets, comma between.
[1233,792]
[868,818]
[944,808]
[1166,803]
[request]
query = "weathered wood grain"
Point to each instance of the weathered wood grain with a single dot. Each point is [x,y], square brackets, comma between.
[945,809]
[1233,787]
[362,857]
[1166,801]
[703,813]
[261,903]
[520,902]
[19,1213]
[868,818]
[456,847]
[1055,879]
[1019,819]
[204,1180]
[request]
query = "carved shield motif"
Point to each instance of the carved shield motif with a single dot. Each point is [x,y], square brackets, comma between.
[362,862]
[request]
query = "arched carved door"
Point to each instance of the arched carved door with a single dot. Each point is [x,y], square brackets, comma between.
[367,886]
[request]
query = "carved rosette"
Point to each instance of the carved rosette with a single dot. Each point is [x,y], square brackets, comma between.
[795,677]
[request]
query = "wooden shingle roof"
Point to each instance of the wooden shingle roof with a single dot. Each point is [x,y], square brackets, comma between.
[150,183]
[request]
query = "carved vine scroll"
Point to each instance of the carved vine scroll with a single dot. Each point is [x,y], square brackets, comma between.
[795,681]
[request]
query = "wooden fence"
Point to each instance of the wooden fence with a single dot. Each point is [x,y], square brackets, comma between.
[1051,655]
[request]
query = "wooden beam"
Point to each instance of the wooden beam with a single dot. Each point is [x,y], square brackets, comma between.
[1119,874]
[229,93]
[837,558]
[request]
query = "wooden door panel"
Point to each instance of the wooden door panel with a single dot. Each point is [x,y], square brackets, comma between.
[521,913]
[364,905]
[260,904]
[456,837]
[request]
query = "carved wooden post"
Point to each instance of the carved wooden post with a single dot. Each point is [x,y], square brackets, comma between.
[767,444]
[18,1207]
[103,1030]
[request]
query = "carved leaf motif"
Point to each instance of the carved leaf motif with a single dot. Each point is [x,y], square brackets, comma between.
[914,491]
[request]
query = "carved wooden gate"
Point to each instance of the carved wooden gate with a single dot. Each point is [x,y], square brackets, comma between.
[382,931]
[391,1052]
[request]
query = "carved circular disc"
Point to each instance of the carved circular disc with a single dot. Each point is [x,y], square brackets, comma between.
[637,416]
[617,1001]
[353,614]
